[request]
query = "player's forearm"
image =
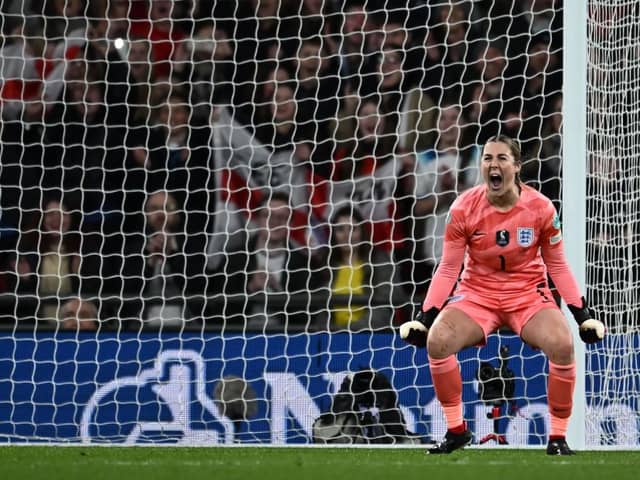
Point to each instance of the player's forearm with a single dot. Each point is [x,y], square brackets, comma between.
[562,277]
[444,278]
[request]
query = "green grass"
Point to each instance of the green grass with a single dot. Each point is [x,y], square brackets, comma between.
[156,463]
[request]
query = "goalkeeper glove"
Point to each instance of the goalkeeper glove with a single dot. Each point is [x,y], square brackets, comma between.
[591,330]
[415,331]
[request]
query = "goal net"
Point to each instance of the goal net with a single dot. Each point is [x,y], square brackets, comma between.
[612,226]
[215,215]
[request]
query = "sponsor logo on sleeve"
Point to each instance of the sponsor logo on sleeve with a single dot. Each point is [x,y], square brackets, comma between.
[525,236]
[555,239]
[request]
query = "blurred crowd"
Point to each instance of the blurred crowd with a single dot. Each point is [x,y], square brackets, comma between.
[255,164]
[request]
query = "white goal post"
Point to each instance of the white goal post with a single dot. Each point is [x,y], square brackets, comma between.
[574,115]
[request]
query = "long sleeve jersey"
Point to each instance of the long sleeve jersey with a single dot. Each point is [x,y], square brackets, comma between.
[504,253]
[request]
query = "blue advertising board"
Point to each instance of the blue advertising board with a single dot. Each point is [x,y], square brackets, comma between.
[159,388]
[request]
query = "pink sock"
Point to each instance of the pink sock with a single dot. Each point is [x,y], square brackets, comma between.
[447,382]
[562,380]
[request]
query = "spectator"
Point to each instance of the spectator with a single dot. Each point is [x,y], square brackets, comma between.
[543,80]
[356,57]
[370,175]
[127,62]
[48,261]
[277,74]
[25,141]
[140,79]
[20,59]
[128,80]
[313,18]
[264,161]
[174,155]
[84,158]
[492,93]
[355,269]
[491,68]
[251,163]
[491,19]
[204,66]
[276,128]
[171,273]
[251,114]
[62,17]
[395,33]
[391,29]
[410,111]
[262,34]
[543,17]
[146,145]
[542,170]
[356,62]
[316,102]
[516,125]
[117,19]
[445,171]
[79,315]
[448,48]
[150,273]
[164,30]
[271,263]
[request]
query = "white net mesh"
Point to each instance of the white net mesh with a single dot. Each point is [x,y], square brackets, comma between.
[612,212]
[213,212]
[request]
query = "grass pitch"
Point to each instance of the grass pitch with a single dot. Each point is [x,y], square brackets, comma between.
[256,463]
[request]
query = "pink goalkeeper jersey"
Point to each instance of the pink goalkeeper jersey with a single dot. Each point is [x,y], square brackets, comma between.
[507,253]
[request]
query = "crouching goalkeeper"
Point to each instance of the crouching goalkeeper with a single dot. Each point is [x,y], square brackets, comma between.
[508,236]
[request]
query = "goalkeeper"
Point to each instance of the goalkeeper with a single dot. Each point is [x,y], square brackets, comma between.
[510,234]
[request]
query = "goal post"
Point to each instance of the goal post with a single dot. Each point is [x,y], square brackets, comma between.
[574,198]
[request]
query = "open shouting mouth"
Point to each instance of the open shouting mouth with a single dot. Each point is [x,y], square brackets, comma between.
[495,180]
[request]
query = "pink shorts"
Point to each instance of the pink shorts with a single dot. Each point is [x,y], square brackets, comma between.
[491,312]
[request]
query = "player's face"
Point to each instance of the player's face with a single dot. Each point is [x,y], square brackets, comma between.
[499,167]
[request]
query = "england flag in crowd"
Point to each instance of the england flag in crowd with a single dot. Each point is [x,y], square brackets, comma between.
[247,172]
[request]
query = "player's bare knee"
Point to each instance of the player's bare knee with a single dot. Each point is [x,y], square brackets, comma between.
[560,351]
[439,343]
[435,347]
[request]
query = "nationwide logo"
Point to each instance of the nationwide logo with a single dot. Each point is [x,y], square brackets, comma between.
[173,393]
[169,403]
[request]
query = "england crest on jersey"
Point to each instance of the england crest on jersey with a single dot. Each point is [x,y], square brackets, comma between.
[525,236]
